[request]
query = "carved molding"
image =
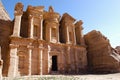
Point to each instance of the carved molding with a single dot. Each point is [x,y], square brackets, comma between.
[14,46]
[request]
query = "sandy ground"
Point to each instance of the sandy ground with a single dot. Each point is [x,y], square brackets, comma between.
[99,77]
[115,76]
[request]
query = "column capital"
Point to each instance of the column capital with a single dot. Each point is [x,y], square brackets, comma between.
[30,47]
[14,46]
[17,25]
[40,17]
[18,14]
[30,16]
[18,9]
[30,26]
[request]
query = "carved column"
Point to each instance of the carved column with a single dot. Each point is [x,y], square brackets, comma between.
[60,62]
[41,65]
[48,58]
[45,62]
[82,39]
[50,38]
[63,61]
[13,69]
[17,25]
[76,61]
[31,26]
[68,39]
[79,33]
[58,36]
[74,35]
[30,60]
[41,28]
[69,61]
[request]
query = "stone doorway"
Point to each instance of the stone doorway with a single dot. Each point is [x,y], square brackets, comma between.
[54,63]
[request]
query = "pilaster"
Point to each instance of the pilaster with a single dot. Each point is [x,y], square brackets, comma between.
[31,26]
[79,33]
[63,61]
[60,62]
[74,36]
[76,61]
[41,28]
[41,61]
[17,25]
[58,36]
[45,67]
[68,38]
[30,60]
[69,61]
[82,41]
[13,69]
[48,58]
[50,38]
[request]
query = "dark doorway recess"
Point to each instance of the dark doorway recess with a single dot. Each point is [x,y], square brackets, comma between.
[54,63]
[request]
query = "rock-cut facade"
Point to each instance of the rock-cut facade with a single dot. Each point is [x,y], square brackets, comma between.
[40,42]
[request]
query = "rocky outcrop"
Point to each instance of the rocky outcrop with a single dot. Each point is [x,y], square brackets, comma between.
[101,57]
[5,25]
[5,31]
[118,49]
[3,14]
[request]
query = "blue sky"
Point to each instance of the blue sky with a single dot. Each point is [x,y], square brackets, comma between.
[102,15]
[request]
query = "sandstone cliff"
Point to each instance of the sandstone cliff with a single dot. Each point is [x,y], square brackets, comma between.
[5,24]
[3,14]
[5,31]
[101,57]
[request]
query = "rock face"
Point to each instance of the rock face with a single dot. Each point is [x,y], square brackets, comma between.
[101,57]
[3,14]
[5,31]
[117,49]
[4,24]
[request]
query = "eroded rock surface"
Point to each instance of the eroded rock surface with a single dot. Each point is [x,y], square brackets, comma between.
[5,31]
[101,57]
[118,49]
[3,14]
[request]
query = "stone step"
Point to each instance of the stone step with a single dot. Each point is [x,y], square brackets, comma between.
[44,77]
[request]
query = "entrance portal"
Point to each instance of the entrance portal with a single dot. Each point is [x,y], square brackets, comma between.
[54,63]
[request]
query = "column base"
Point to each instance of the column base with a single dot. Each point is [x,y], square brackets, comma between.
[15,36]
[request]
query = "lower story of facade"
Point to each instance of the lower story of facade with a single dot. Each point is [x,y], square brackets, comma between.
[38,57]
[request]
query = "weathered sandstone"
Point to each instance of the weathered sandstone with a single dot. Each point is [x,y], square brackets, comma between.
[101,57]
[39,42]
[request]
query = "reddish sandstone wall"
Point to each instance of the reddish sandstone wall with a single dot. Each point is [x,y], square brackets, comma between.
[101,57]
[5,31]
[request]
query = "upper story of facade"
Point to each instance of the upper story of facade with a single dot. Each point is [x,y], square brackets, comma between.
[36,23]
